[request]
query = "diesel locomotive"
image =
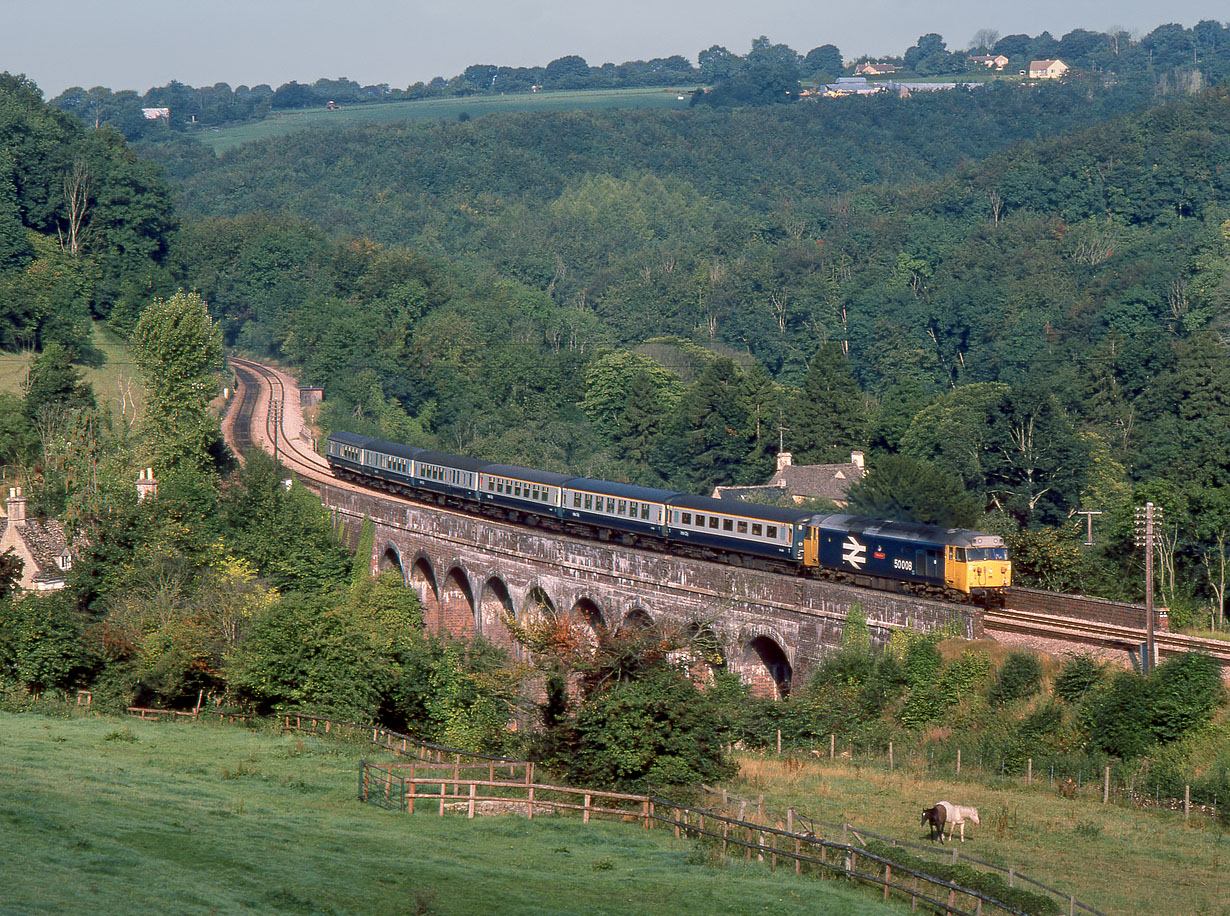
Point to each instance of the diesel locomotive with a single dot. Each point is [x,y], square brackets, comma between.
[955,563]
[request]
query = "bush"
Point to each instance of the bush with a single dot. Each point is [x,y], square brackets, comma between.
[1020,677]
[1184,691]
[1080,674]
[657,731]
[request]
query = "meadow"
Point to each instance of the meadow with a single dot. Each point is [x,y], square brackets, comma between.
[1115,859]
[119,816]
[117,381]
[278,125]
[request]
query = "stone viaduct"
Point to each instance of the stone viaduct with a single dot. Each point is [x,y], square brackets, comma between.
[471,572]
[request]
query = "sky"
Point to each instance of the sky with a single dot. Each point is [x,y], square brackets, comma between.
[138,44]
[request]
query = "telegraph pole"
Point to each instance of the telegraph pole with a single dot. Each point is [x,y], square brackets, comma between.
[275,408]
[1146,517]
[1089,514]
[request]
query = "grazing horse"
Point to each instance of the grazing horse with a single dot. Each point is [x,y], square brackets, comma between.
[957,815]
[935,817]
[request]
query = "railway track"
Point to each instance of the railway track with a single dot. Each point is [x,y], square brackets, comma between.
[262,407]
[1100,635]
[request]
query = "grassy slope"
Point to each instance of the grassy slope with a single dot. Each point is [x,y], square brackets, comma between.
[117,367]
[118,817]
[284,123]
[1117,860]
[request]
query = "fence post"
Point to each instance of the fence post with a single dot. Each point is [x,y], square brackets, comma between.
[779,742]
[1071,905]
[676,822]
[473,787]
[443,795]
[890,756]
[645,813]
[1187,802]
[888,879]
[585,809]
[1106,786]
[832,745]
[456,772]
[491,770]
[363,780]
[1029,772]
[958,761]
[410,794]
[529,800]
[914,896]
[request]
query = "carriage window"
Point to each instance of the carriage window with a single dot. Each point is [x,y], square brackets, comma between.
[610,507]
[576,500]
[728,524]
[757,530]
[713,521]
[517,489]
[589,501]
[534,494]
[687,518]
[743,527]
[623,507]
[645,511]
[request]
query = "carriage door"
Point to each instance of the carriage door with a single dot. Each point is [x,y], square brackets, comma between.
[927,564]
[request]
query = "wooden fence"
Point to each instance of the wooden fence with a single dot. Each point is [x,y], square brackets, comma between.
[403,786]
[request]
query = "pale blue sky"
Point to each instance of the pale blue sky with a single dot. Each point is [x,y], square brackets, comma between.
[136,44]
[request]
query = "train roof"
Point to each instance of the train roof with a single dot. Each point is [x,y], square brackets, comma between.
[352,439]
[778,514]
[550,478]
[622,490]
[447,460]
[909,531]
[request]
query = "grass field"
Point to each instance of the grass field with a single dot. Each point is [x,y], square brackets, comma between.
[284,123]
[118,369]
[116,816]
[1117,860]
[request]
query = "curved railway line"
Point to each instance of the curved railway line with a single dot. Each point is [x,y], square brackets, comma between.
[254,423]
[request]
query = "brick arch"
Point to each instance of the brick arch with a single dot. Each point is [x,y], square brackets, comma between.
[536,606]
[764,665]
[458,611]
[587,616]
[494,603]
[422,579]
[703,654]
[636,618]
[391,559]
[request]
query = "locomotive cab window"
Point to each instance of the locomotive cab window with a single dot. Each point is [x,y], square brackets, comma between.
[959,554]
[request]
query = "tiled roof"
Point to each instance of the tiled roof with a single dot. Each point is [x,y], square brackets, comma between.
[45,540]
[826,481]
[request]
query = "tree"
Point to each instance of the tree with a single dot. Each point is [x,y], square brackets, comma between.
[900,487]
[179,348]
[825,60]
[827,418]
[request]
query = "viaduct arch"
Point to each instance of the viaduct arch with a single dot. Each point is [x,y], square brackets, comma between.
[473,573]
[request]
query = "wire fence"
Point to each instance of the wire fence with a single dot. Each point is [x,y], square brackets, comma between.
[1142,783]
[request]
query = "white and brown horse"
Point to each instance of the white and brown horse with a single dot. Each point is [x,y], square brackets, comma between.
[957,815]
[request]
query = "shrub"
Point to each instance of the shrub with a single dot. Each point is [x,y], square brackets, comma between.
[1019,677]
[1080,674]
[922,661]
[1184,691]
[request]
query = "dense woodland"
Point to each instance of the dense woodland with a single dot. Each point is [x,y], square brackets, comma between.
[1015,299]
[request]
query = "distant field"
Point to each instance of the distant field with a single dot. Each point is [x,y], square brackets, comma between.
[117,816]
[441,110]
[118,369]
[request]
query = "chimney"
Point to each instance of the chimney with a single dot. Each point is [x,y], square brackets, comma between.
[857,459]
[784,460]
[16,506]
[146,485]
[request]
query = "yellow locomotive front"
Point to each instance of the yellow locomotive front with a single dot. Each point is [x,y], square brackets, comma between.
[978,565]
